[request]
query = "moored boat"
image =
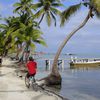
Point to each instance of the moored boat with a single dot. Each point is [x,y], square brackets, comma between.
[80,63]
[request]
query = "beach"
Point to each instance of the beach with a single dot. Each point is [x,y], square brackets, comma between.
[13,88]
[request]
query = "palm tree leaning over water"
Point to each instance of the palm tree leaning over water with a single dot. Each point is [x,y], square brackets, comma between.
[94,6]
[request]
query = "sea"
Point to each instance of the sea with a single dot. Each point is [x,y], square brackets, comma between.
[77,84]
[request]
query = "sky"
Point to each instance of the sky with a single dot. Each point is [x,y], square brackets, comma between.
[85,42]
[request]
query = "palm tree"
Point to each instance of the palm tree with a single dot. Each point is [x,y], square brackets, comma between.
[23,6]
[47,8]
[32,36]
[30,27]
[65,15]
[17,30]
[26,33]
[6,28]
[54,77]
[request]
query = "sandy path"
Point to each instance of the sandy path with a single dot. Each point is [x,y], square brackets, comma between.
[13,88]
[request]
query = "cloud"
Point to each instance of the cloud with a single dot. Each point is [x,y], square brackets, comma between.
[85,40]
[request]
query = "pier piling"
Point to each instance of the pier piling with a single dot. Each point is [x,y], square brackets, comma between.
[48,64]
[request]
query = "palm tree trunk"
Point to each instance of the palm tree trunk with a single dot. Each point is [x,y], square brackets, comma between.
[19,50]
[54,66]
[17,54]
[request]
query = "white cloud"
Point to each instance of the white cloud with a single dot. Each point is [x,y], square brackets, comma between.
[85,40]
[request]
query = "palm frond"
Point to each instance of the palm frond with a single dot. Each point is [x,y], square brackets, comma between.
[48,18]
[53,17]
[39,13]
[16,10]
[40,41]
[23,26]
[17,4]
[41,18]
[55,1]
[9,31]
[68,12]
[97,14]
[96,4]
[3,26]
[36,6]
[55,11]
[37,32]
[57,4]
[32,45]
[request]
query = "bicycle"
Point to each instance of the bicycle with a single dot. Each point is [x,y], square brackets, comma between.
[31,82]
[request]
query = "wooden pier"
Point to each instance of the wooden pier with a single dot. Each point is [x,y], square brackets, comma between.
[48,63]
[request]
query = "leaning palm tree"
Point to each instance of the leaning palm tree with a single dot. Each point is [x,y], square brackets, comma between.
[47,9]
[65,15]
[54,77]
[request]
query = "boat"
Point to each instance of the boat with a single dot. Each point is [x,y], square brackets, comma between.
[87,63]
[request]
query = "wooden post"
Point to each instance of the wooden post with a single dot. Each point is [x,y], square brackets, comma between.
[47,64]
[62,64]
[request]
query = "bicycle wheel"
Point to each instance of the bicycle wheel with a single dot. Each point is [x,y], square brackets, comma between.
[27,82]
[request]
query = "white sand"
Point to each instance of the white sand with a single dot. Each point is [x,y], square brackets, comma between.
[13,88]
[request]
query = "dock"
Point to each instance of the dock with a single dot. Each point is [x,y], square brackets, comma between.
[48,63]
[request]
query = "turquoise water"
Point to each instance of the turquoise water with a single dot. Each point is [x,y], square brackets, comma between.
[80,84]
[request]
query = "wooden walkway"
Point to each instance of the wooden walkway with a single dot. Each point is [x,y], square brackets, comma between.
[48,61]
